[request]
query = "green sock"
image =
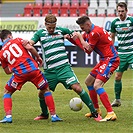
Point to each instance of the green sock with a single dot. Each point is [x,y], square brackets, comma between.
[118,89]
[43,106]
[86,99]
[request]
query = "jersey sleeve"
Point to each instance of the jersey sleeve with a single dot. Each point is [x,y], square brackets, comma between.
[36,37]
[66,31]
[113,27]
[78,43]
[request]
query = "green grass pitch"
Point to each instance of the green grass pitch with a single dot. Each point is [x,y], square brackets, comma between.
[26,107]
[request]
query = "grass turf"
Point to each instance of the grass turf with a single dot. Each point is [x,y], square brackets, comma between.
[26,107]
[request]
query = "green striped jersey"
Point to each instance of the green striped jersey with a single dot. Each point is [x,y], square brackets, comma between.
[124,30]
[53,48]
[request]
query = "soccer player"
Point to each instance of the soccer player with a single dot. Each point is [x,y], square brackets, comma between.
[123,28]
[97,39]
[56,65]
[16,60]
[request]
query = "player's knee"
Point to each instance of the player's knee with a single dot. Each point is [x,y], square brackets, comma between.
[77,88]
[118,77]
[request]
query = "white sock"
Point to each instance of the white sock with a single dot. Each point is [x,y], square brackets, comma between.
[8,116]
[54,115]
[110,112]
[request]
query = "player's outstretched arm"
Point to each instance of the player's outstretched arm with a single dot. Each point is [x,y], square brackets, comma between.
[33,51]
[86,46]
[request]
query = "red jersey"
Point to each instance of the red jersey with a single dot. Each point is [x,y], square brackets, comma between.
[17,58]
[101,42]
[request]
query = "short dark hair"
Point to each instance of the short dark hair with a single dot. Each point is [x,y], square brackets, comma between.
[4,33]
[122,4]
[82,20]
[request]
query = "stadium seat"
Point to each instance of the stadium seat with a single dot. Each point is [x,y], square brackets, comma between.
[93,4]
[65,1]
[83,9]
[37,9]
[75,1]
[37,15]
[92,9]
[46,8]
[19,15]
[27,15]
[48,1]
[92,12]
[111,12]
[85,1]
[101,12]
[112,3]
[28,9]
[55,9]
[64,9]
[56,1]
[103,4]
[73,11]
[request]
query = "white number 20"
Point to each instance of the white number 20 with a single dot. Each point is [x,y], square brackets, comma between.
[7,53]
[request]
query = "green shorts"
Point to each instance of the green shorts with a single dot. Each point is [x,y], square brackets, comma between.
[126,61]
[61,74]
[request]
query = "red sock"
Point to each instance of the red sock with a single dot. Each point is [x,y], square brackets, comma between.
[8,106]
[94,98]
[105,100]
[50,102]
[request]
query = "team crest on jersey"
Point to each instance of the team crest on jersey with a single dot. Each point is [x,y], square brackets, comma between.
[92,33]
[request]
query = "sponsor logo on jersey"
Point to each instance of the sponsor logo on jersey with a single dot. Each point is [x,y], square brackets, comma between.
[70,80]
[41,83]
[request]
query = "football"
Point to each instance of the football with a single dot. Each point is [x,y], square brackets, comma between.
[76,104]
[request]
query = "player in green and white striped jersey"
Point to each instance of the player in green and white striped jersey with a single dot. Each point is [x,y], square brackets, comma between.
[56,65]
[123,27]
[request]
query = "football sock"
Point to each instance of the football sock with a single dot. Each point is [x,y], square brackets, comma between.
[86,99]
[93,96]
[117,89]
[50,102]
[43,106]
[7,104]
[104,99]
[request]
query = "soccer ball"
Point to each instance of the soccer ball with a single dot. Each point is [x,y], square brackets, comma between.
[76,104]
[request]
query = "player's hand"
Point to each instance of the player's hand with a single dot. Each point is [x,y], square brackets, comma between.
[74,35]
[67,36]
[39,61]
[86,46]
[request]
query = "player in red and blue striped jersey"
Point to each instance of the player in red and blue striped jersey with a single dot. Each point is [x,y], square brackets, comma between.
[16,58]
[95,38]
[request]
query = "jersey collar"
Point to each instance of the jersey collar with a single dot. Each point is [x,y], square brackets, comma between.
[5,41]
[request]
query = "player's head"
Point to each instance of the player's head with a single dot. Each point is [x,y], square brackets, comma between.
[85,23]
[5,34]
[122,10]
[50,23]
